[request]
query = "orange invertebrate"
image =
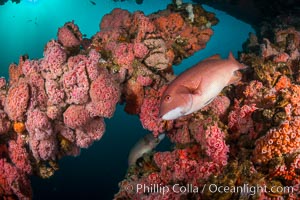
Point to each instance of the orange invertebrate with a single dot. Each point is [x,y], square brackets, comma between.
[19,127]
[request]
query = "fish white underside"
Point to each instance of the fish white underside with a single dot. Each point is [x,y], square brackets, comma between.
[173,114]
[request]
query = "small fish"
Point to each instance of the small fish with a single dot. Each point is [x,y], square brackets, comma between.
[144,145]
[198,86]
[35,21]
[93,2]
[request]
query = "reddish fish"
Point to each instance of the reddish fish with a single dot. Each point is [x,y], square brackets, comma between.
[198,86]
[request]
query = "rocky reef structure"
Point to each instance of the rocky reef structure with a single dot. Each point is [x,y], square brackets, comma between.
[54,106]
[255,11]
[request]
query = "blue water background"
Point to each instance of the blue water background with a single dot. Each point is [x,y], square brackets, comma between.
[25,29]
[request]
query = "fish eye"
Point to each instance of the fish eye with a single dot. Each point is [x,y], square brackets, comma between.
[167,98]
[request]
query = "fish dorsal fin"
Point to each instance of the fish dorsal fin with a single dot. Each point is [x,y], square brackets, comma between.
[214,57]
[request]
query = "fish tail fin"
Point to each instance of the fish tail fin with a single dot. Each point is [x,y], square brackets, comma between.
[230,56]
[237,76]
[240,65]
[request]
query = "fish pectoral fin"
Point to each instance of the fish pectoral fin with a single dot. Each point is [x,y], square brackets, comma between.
[187,94]
[184,90]
[197,91]
[214,57]
[237,76]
